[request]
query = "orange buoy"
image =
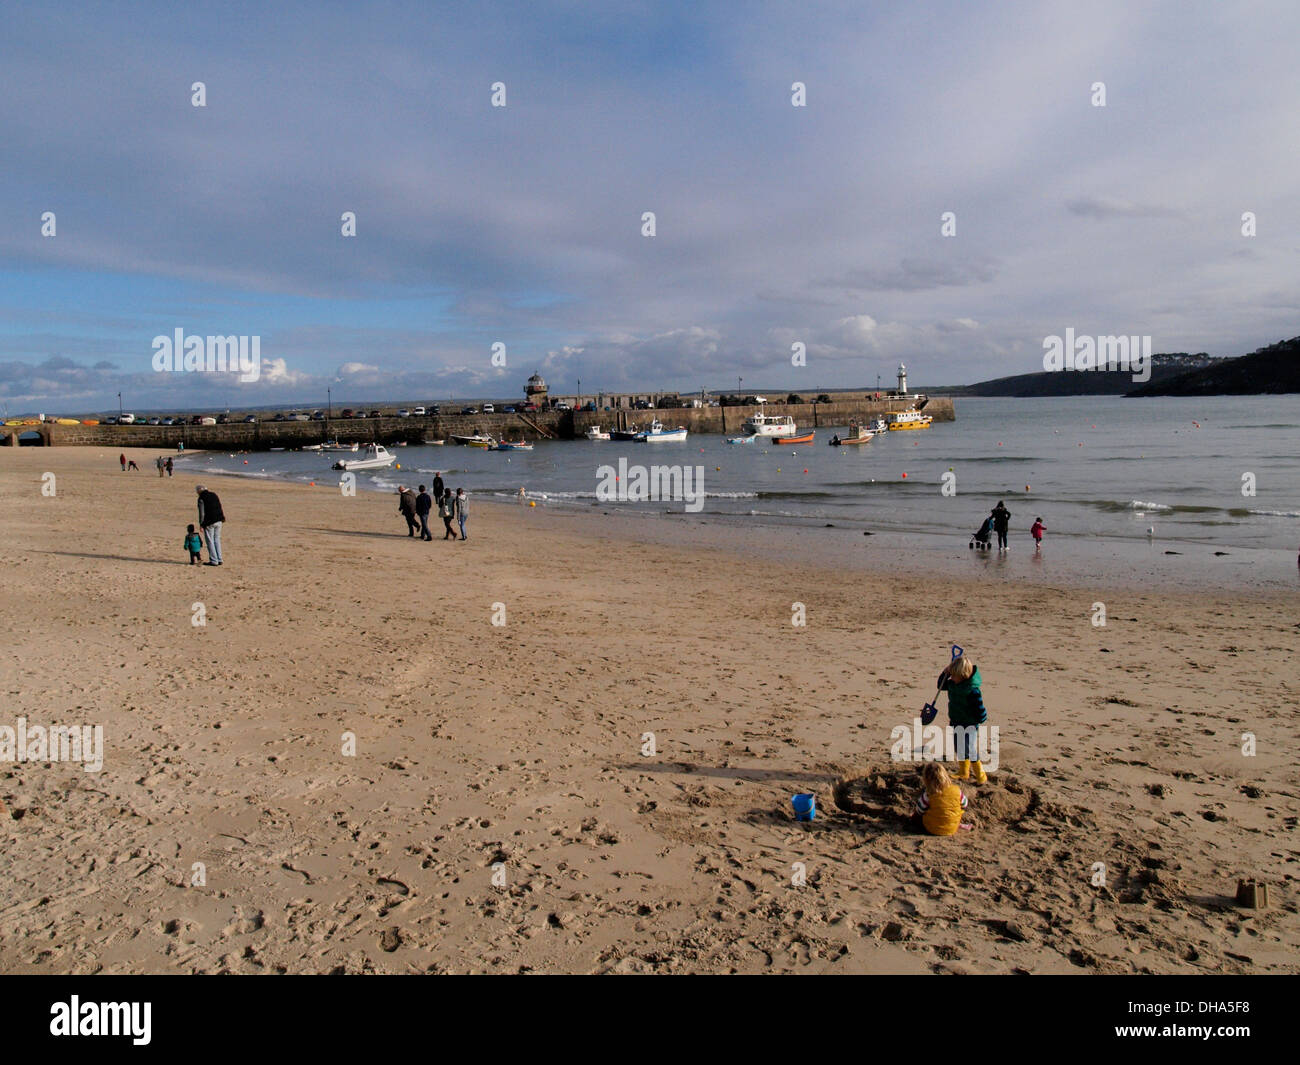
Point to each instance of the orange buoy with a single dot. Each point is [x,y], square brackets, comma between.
[905,477]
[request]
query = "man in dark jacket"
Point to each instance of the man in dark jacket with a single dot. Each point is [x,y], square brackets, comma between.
[1001,520]
[423,504]
[437,488]
[210,518]
[406,507]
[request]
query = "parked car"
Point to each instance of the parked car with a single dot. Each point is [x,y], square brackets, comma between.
[563,406]
[403,413]
[488,408]
[509,409]
[469,410]
[154,421]
[251,419]
[223,419]
[126,419]
[435,409]
[279,417]
[375,414]
[347,412]
[823,398]
[208,420]
[418,412]
[529,407]
[642,404]
[359,414]
[318,415]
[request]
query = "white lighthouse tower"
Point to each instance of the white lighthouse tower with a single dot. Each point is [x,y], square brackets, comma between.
[902,379]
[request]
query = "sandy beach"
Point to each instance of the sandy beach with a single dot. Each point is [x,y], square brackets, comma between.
[502,812]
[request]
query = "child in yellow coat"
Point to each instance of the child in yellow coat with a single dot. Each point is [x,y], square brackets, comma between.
[941,802]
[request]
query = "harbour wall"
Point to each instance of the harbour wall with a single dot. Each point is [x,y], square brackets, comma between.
[264,435]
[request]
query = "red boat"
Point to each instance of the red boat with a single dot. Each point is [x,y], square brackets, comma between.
[807,438]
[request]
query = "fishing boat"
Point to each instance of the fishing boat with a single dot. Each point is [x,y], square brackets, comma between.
[375,457]
[780,425]
[859,434]
[807,438]
[630,433]
[657,434]
[595,433]
[477,440]
[907,419]
[434,443]
[516,445]
[332,445]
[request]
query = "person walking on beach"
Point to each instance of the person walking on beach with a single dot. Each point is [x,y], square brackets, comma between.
[1036,531]
[423,504]
[122,459]
[438,488]
[169,465]
[406,507]
[1001,521]
[159,463]
[211,517]
[462,511]
[447,509]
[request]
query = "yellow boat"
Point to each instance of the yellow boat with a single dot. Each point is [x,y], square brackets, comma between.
[907,419]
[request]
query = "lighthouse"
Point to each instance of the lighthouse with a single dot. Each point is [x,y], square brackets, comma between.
[902,379]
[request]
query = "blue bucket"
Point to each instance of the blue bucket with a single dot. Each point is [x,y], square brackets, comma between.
[805,807]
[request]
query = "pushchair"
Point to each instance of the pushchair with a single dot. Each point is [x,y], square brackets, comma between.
[983,536]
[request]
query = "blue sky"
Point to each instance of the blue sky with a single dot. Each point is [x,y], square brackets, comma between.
[522,224]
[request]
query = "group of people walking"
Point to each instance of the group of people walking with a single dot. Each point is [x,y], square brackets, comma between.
[417,508]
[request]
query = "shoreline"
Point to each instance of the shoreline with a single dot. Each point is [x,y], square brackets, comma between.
[520,748]
[1082,560]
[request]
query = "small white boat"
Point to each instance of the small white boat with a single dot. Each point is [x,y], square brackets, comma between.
[741,439]
[434,443]
[770,425]
[657,434]
[332,445]
[375,457]
[595,433]
[477,440]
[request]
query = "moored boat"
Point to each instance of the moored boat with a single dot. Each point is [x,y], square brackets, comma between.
[477,440]
[595,433]
[375,457]
[859,434]
[657,434]
[807,438]
[516,445]
[630,433]
[907,419]
[770,425]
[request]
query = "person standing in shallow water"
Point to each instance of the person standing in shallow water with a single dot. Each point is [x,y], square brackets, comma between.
[1001,522]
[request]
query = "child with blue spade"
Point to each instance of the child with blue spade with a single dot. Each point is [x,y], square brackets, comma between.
[961,679]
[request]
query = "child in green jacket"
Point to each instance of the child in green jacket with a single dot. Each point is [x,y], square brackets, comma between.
[961,679]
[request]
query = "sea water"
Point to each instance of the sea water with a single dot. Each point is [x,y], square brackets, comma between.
[1216,473]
